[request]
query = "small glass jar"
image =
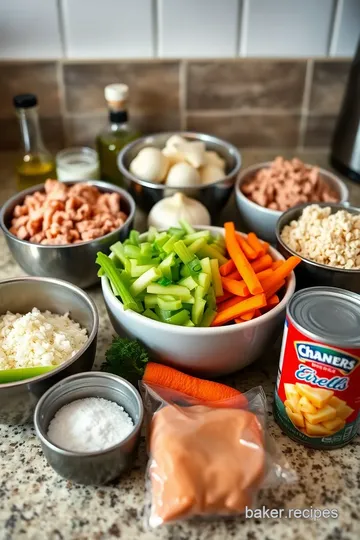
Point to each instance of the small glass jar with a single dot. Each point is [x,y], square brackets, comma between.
[77,164]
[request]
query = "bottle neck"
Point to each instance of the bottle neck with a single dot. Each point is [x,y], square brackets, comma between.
[30,130]
[118,119]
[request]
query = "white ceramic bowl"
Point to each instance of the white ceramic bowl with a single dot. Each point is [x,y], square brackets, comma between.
[263,220]
[206,351]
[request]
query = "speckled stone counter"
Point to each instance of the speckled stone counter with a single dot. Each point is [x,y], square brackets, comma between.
[36,504]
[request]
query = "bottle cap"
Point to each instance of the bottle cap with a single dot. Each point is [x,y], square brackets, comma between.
[115,93]
[25,101]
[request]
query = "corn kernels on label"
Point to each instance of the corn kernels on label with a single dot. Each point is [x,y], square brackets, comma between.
[317,398]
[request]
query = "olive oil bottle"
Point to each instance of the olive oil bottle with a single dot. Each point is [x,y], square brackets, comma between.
[117,134]
[36,164]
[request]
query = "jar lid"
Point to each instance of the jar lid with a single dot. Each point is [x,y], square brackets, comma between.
[25,101]
[116,92]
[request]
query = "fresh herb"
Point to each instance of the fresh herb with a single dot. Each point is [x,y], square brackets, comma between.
[126,358]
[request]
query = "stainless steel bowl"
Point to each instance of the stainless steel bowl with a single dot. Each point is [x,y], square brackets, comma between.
[263,220]
[213,196]
[20,295]
[72,262]
[309,273]
[96,467]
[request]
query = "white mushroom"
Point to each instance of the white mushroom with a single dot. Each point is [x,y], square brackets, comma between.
[150,164]
[183,175]
[213,158]
[210,174]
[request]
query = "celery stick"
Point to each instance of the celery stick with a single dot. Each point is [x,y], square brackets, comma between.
[136,270]
[101,272]
[134,237]
[169,302]
[210,251]
[204,281]
[150,301]
[161,239]
[197,245]
[216,278]
[163,314]
[174,290]
[186,226]
[164,281]
[146,249]
[118,250]
[152,233]
[132,252]
[197,311]
[206,266]
[211,299]
[189,323]
[149,313]
[208,317]
[174,231]
[184,271]
[117,281]
[143,281]
[188,282]
[188,300]
[187,257]
[179,318]
[199,292]
[189,238]
[166,264]
[168,247]
[175,273]
[187,306]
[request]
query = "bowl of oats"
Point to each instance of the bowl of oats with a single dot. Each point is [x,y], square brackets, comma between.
[326,236]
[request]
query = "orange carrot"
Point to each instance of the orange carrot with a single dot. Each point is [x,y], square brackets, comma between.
[229,303]
[255,244]
[234,275]
[277,286]
[242,264]
[249,252]
[238,320]
[224,297]
[262,263]
[235,287]
[276,264]
[235,311]
[266,246]
[273,300]
[226,268]
[170,378]
[248,316]
[281,273]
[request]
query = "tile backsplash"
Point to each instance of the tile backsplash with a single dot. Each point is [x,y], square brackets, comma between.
[80,29]
[252,102]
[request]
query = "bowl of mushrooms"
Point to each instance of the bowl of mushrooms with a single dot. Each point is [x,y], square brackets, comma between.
[197,165]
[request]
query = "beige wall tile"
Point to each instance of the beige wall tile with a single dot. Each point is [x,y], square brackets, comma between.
[319,131]
[328,86]
[52,131]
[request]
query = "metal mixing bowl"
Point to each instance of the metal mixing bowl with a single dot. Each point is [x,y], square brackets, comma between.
[95,467]
[263,220]
[72,262]
[213,196]
[21,295]
[309,273]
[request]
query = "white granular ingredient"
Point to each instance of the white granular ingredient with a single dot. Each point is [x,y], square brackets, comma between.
[331,239]
[38,339]
[90,425]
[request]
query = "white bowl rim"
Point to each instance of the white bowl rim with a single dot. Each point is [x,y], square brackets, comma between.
[277,213]
[177,329]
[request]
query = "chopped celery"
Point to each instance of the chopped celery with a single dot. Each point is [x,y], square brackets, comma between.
[132,252]
[169,302]
[166,264]
[208,317]
[152,233]
[187,306]
[138,270]
[161,239]
[212,253]
[186,226]
[198,310]
[175,290]
[211,299]
[204,281]
[187,257]
[216,277]
[163,314]
[149,313]
[150,300]
[206,266]
[118,250]
[199,292]
[189,238]
[168,247]
[134,237]
[189,323]
[188,282]
[175,273]
[175,231]
[179,318]
[197,245]
[146,249]
[117,281]
[184,271]
[164,281]
[143,281]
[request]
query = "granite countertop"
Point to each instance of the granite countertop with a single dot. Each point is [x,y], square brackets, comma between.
[35,503]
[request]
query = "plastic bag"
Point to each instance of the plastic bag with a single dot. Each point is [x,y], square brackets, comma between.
[207,460]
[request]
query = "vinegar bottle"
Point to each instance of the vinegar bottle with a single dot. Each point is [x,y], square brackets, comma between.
[36,164]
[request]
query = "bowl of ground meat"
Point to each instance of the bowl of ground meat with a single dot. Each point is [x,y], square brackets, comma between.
[55,229]
[265,190]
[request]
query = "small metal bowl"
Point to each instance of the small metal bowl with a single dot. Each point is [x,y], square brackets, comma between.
[263,220]
[93,467]
[71,262]
[309,273]
[21,295]
[214,196]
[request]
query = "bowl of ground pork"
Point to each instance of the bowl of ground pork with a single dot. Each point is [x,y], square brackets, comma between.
[326,236]
[48,326]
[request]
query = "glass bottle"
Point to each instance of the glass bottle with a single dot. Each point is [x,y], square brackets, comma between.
[117,134]
[36,164]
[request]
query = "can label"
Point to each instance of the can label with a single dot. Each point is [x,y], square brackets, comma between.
[317,397]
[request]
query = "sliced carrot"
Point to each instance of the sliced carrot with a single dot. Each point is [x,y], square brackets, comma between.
[242,264]
[262,263]
[248,316]
[255,244]
[235,287]
[229,303]
[273,300]
[249,252]
[281,273]
[224,297]
[235,311]
[276,264]
[234,275]
[266,246]
[238,321]
[226,268]
[277,286]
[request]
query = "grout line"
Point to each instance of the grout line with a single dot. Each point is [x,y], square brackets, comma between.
[335,30]
[155,28]
[244,23]
[61,90]
[60,14]
[306,102]
[243,112]
[183,67]
[238,28]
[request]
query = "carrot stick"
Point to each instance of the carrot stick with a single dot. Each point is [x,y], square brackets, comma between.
[273,300]
[229,303]
[242,264]
[262,263]
[249,252]
[255,244]
[238,320]
[168,377]
[235,287]
[281,273]
[224,297]
[266,246]
[254,302]
[248,316]
[226,268]
[276,264]
[275,289]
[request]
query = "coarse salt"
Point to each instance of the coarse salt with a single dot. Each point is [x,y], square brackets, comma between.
[90,425]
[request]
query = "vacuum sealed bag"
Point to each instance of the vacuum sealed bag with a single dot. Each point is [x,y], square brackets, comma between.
[207,460]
